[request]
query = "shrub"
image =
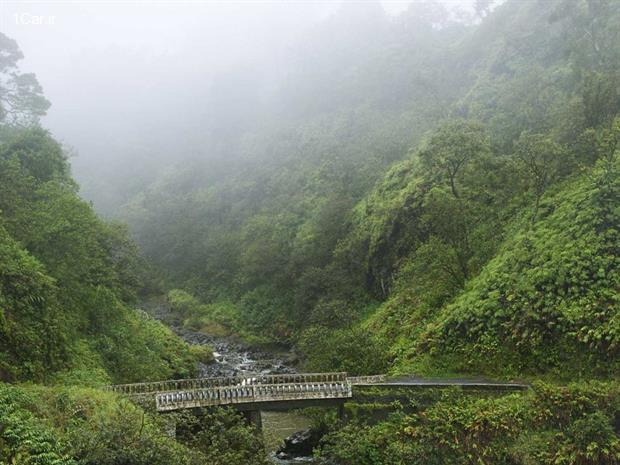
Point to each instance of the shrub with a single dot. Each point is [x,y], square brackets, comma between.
[352,350]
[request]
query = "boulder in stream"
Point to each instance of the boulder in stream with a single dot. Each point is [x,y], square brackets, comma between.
[299,444]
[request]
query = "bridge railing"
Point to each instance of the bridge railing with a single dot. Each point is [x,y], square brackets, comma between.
[171,385]
[372,379]
[339,389]
[232,381]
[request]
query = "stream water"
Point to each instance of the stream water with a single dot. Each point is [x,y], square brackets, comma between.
[234,358]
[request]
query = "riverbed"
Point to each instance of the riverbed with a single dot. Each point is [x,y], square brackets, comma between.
[234,358]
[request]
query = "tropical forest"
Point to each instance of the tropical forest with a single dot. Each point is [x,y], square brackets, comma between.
[330,233]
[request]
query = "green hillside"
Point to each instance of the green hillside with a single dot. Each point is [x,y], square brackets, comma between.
[69,280]
[69,285]
[547,302]
[319,239]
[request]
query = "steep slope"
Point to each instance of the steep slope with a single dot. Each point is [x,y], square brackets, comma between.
[548,302]
[68,280]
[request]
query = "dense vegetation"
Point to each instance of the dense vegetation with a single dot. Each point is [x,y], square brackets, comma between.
[69,280]
[68,290]
[452,208]
[71,425]
[549,425]
[490,247]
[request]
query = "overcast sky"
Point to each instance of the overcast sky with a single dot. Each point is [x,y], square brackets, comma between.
[131,52]
[107,66]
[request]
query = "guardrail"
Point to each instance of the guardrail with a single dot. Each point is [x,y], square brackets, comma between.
[340,389]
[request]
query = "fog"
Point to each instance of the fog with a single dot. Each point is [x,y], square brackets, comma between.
[149,83]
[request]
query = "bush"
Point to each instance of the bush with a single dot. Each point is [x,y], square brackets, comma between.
[352,350]
[184,303]
[203,354]
[23,438]
[71,426]
[222,436]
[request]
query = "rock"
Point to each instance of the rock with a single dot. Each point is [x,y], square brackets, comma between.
[300,444]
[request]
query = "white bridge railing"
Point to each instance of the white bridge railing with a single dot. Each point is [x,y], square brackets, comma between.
[253,393]
[231,381]
[204,392]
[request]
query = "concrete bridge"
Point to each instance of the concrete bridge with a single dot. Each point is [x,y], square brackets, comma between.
[280,392]
[250,392]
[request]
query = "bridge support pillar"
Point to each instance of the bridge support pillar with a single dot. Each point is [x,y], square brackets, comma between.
[254,418]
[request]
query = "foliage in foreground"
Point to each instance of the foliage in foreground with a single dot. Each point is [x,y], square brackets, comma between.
[77,426]
[574,425]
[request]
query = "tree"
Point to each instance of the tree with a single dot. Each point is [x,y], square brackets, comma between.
[39,156]
[540,158]
[451,148]
[21,96]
